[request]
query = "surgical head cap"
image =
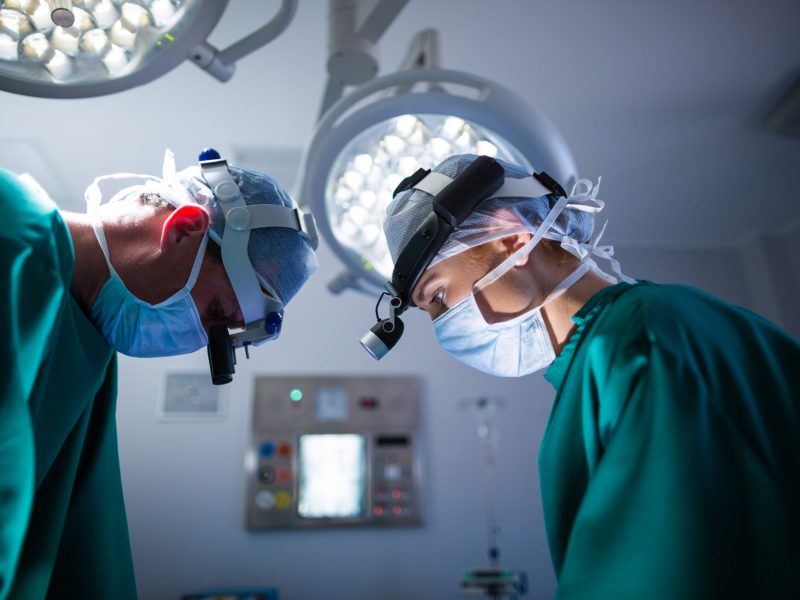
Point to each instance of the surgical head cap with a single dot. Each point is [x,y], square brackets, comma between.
[282,258]
[493,219]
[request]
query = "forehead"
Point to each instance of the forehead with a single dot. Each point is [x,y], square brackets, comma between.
[449,268]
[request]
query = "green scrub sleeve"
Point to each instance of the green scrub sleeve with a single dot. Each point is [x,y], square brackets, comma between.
[665,485]
[31,292]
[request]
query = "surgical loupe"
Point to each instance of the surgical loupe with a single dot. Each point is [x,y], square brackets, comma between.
[453,201]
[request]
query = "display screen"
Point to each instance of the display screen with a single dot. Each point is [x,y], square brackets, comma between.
[332,480]
[331,404]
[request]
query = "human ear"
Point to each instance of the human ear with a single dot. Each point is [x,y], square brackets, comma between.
[512,243]
[184,223]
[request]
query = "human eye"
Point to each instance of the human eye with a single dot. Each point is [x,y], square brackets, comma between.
[438,297]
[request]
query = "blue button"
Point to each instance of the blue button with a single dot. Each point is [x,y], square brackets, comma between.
[208,154]
[272,323]
[267,449]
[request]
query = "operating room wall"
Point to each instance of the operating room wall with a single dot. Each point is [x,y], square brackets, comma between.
[772,268]
[184,482]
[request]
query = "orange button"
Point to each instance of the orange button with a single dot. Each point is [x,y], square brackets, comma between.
[285,449]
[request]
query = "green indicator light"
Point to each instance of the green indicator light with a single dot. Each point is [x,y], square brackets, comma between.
[296,395]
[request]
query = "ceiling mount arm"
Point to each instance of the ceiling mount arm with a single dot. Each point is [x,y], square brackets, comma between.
[354,30]
[424,52]
[221,64]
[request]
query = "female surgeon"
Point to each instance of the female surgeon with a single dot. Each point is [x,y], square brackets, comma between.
[670,466]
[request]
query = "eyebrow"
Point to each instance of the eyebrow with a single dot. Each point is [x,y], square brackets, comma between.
[421,285]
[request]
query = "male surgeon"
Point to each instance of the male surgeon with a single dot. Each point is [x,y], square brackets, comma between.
[137,275]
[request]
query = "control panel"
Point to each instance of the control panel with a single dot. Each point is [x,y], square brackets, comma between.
[334,451]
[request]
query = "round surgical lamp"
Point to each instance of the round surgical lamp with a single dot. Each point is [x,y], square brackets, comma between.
[113,45]
[388,128]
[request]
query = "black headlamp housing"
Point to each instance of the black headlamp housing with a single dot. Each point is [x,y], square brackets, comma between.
[451,207]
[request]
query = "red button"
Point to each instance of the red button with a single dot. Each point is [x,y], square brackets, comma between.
[284,449]
[377,511]
[397,510]
[283,475]
[369,402]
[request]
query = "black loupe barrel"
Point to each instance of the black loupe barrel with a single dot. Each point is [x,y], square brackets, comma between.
[220,355]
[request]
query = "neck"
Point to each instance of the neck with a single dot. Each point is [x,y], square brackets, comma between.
[90,271]
[560,311]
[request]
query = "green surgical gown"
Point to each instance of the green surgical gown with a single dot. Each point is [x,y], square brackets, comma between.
[63,532]
[670,466]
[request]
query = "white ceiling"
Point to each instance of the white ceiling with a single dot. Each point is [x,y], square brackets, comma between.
[663,100]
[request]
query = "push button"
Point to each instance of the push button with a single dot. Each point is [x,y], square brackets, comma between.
[392,472]
[264,500]
[266,449]
[283,500]
[266,474]
[283,475]
[284,450]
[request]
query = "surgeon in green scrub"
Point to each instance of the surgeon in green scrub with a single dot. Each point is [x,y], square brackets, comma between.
[670,466]
[132,276]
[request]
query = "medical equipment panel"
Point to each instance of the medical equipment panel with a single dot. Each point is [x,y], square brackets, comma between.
[340,451]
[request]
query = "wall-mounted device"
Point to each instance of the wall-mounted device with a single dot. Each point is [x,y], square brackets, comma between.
[340,451]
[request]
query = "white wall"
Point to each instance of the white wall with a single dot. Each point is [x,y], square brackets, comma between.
[184,482]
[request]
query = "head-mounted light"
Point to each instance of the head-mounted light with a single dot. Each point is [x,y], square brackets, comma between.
[453,201]
[263,314]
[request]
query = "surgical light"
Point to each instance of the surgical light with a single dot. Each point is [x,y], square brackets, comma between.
[63,49]
[385,130]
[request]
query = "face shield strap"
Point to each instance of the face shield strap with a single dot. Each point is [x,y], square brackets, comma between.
[453,201]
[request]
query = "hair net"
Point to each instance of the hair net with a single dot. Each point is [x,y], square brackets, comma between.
[500,217]
[282,259]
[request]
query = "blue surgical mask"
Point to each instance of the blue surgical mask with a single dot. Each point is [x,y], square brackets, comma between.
[512,348]
[138,328]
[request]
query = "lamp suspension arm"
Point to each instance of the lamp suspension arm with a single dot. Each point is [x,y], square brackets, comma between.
[221,64]
[353,47]
[424,52]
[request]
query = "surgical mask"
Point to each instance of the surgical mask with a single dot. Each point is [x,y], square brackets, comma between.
[521,345]
[513,348]
[138,328]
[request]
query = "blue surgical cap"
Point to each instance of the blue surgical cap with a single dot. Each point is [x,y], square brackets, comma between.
[493,219]
[282,258]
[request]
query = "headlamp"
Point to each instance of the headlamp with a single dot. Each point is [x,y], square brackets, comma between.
[453,201]
[263,314]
